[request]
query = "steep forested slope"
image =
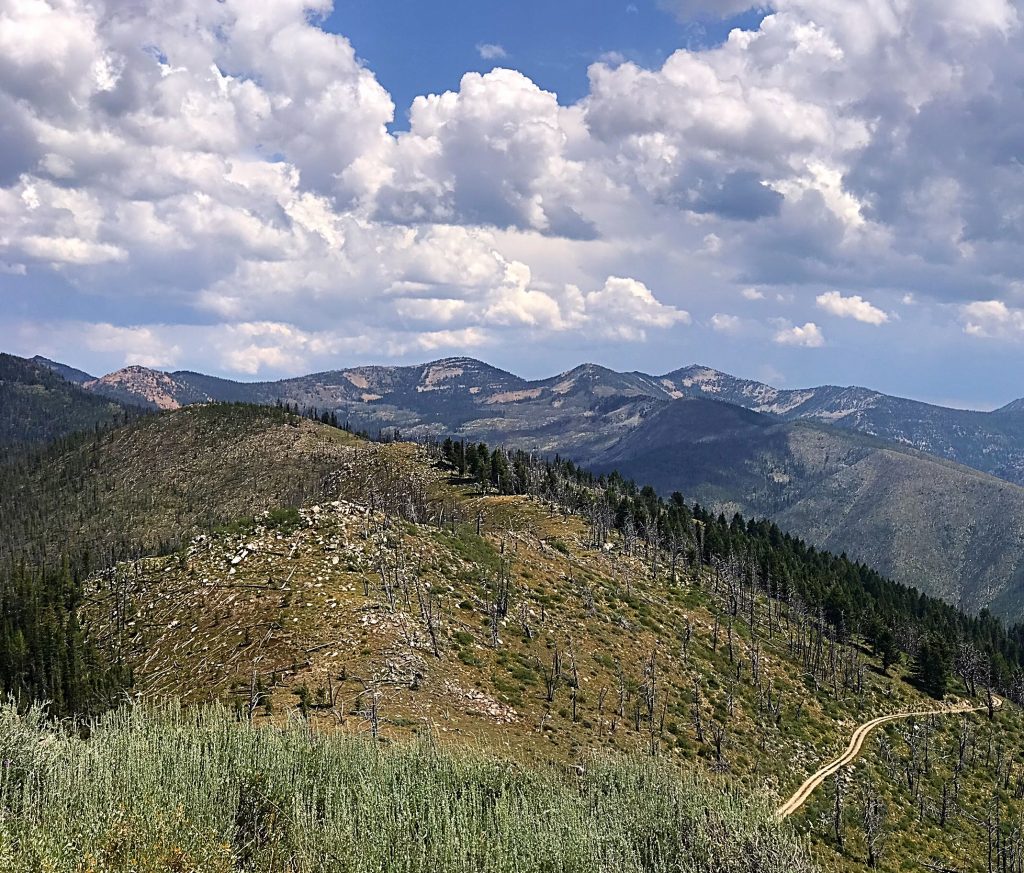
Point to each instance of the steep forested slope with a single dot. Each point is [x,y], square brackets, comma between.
[38,405]
[992,442]
[142,488]
[944,528]
[91,499]
[71,374]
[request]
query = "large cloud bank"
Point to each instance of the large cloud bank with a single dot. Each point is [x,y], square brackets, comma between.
[227,168]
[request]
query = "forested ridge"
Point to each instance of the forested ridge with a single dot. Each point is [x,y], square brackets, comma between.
[39,406]
[91,499]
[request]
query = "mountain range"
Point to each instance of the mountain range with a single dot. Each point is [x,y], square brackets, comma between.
[929,495]
[470,397]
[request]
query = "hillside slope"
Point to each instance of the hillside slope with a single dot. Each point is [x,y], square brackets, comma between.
[143,487]
[71,374]
[405,602]
[38,405]
[943,528]
[596,415]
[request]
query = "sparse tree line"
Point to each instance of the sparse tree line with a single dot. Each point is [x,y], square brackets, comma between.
[673,542]
[963,780]
[844,596]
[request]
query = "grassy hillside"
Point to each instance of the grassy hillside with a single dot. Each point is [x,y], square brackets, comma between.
[39,405]
[943,528]
[949,531]
[380,611]
[574,627]
[198,791]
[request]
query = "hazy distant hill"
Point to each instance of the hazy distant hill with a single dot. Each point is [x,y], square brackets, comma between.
[992,442]
[1014,406]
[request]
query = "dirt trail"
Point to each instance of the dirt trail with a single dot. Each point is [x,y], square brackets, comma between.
[853,750]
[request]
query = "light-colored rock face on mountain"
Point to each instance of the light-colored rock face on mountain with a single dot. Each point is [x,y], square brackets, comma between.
[827,403]
[141,384]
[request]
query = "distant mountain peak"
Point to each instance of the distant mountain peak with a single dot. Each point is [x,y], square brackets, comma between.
[590,369]
[154,387]
[460,372]
[460,361]
[1013,406]
[63,370]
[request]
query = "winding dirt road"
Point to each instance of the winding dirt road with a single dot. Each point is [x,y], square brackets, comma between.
[853,750]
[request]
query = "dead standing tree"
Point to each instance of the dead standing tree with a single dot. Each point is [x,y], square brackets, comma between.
[872,817]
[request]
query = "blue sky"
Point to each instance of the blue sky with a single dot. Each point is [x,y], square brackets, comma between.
[418,47]
[824,192]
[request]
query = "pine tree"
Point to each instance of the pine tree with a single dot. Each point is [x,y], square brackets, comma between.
[885,647]
[499,472]
[931,666]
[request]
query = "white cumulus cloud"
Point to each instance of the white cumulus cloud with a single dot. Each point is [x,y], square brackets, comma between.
[724,323]
[232,163]
[993,319]
[625,308]
[854,306]
[808,336]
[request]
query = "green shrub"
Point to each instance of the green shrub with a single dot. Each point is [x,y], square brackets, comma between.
[172,789]
[285,519]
